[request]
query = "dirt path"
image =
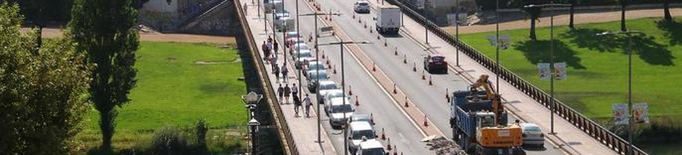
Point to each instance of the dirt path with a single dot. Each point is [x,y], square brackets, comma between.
[563,18]
[187,38]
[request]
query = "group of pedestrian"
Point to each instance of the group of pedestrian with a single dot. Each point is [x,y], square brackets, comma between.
[285,92]
[269,47]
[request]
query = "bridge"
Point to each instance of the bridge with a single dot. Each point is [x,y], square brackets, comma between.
[385,79]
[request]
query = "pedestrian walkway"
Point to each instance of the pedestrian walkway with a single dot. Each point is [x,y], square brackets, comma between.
[303,129]
[568,137]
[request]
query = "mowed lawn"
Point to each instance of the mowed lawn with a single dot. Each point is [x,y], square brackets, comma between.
[598,68]
[173,89]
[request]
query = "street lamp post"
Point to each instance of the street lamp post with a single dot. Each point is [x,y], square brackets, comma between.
[426,29]
[317,58]
[457,31]
[632,117]
[552,103]
[497,45]
[251,100]
[343,86]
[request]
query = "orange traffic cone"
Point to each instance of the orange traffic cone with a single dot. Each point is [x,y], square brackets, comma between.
[356,101]
[383,135]
[406,104]
[371,120]
[423,76]
[426,122]
[430,81]
[350,90]
[374,67]
[405,59]
[414,67]
[395,148]
[385,42]
[389,144]
[395,91]
[334,69]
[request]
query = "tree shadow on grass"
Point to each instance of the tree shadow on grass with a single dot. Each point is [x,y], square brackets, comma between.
[539,52]
[648,50]
[673,31]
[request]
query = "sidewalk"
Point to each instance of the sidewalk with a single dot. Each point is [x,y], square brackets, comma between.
[304,129]
[568,137]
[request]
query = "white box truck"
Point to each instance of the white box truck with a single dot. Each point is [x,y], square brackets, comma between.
[388,19]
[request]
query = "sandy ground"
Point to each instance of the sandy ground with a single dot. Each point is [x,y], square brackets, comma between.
[187,38]
[563,17]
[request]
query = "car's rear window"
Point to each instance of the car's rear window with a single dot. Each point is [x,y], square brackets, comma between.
[363,4]
[438,58]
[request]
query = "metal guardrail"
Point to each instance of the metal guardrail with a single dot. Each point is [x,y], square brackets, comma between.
[583,123]
[288,144]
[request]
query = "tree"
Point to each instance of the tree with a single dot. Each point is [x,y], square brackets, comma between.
[40,12]
[532,12]
[572,13]
[666,11]
[42,90]
[104,30]
[623,4]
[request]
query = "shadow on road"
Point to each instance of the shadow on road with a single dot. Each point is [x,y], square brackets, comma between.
[539,52]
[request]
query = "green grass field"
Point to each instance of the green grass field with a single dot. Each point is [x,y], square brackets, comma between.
[172,89]
[598,73]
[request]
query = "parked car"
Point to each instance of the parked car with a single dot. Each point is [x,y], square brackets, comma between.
[532,135]
[304,53]
[371,147]
[361,7]
[358,132]
[362,118]
[293,40]
[313,77]
[303,62]
[280,15]
[435,62]
[325,86]
[291,34]
[297,46]
[312,66]
[339,112]
[334,93]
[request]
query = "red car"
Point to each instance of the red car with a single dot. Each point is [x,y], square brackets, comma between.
[435,62]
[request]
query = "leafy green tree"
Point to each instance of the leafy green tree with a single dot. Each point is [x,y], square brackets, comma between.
[533,13]
[39,13]
[104,30]
[43,90]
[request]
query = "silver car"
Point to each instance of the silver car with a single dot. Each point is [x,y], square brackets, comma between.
[325,86]
[339,112]
[312,66]
[532,135]
[313,77]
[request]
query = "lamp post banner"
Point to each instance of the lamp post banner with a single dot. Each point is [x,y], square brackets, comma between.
[560,70]
[620,114]
[543,68]
[641,111]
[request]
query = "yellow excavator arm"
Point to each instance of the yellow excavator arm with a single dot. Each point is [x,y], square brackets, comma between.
[492,95]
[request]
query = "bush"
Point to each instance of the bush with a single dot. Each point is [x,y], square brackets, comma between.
[169,140]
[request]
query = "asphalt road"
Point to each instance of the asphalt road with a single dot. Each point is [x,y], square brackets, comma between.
[404,135]
[430,99]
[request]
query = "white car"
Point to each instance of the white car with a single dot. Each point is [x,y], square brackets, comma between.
[304,53]
[297,46]
[361,7]
[312,66]
[329,94]
[339,112]
[532,135]
[371,147]
[358,132]
[325,86]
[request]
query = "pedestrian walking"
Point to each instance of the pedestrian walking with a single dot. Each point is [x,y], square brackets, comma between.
[287,92]
[246,12]
[269,39]
[275,70]
[276,49]
[294,90]
[284,72]
[280,93]
[308,104]
[297,105]
[265,51]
